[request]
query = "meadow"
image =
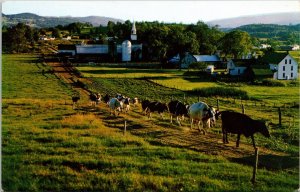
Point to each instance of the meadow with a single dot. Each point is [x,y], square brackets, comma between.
[48,146]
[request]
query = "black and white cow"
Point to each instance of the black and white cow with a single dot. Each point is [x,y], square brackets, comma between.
[156,106]
[114,105]
[177,109]
[95,98]
[202,113]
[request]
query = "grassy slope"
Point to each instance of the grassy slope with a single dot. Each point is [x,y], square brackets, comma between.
[47,146]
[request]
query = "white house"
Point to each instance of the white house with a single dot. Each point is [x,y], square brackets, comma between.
[189,59]
[238,66]
[284,65]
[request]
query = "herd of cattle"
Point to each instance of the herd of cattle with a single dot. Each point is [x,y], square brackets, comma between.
[200,113]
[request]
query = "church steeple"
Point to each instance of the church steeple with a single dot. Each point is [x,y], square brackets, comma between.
[133,32]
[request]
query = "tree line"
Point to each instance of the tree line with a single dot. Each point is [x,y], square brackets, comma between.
[160,40]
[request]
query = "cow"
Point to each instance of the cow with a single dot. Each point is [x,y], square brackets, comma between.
[95,98]
[156,106]
[202,113]
[119,96]
[145,104]
[106,99]
[241,124]
[126,104]
[114,104]
[135,101]
[75,100]
[177,109]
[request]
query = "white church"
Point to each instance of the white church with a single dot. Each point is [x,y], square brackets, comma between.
[127,51]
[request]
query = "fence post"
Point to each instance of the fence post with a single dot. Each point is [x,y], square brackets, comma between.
[243,109]
[217,104]
[255,166]
[184,96]
[279,116]
[124,128]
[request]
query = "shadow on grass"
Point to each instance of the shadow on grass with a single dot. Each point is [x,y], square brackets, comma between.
[270,162]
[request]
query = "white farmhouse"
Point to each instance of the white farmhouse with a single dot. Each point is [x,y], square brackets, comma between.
[284,65]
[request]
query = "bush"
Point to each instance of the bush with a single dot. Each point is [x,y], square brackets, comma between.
[272,83]
[220,91]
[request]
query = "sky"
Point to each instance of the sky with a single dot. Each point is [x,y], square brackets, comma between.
[163,11]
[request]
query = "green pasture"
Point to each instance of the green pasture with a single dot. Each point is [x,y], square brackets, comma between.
[176,79]
[48,146]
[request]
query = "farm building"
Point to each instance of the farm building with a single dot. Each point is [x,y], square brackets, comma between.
[284,65]
[189,59]
[238,66]
[126,51]
[66,49]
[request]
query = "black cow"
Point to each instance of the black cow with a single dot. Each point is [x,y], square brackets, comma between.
[106,99]
[177,109]
[238,123]
[156,106]
[145,104]
[75,100]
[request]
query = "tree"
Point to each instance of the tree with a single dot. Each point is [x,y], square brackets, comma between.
[236,43]
[56,33]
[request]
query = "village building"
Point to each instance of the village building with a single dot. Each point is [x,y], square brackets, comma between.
[285,67]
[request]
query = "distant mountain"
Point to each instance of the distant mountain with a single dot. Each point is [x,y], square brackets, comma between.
[276,18]
[41,21]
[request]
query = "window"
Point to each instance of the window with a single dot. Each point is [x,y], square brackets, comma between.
[283,75]
[290,61]
[291,75]
[283,69]
[286,61]
[292,68]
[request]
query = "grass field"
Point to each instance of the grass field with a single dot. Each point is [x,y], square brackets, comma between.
[48,146]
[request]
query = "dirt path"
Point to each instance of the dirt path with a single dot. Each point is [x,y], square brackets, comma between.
[161,132]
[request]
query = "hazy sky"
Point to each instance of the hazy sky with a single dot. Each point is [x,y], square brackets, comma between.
[166,11]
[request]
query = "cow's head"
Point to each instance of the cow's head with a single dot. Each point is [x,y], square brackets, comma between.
[262,128]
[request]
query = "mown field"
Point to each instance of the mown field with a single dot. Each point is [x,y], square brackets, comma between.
[48,146]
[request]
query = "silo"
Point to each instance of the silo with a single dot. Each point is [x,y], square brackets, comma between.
[126,51]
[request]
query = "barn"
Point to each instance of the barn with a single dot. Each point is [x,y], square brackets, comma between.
[285,67]
[189,59]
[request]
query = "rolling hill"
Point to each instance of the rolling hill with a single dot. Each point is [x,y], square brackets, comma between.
[290,18]
[40,21]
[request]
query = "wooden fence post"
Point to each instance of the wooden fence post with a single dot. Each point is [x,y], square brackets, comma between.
[279,116]
[124,128]
[255,166]
[243,109]
[217,104]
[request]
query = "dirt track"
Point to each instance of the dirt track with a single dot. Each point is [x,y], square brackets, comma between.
[164,133]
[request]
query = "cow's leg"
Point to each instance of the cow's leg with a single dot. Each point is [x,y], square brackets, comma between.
[238,140]
[253,142]
[161,115]
[178,121]
[171,117]
[192,121]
